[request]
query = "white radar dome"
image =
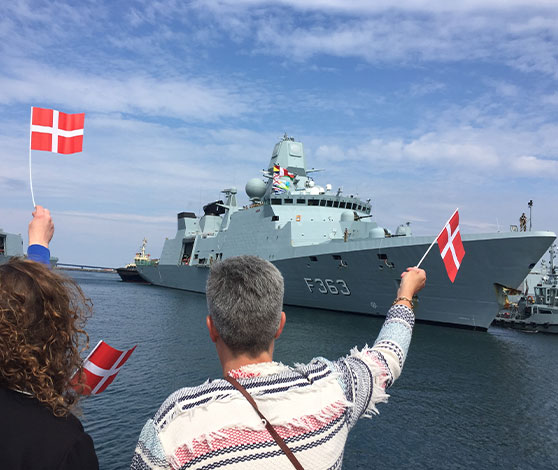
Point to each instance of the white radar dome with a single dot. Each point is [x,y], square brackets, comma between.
[347,216]
[255,188]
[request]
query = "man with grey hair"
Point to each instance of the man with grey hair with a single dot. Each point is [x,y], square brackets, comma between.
[245,303]
[306,410]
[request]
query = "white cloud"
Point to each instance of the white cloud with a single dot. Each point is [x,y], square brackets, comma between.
[533,166]
[29,81]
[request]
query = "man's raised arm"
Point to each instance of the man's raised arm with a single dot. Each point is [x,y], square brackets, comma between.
[366,373]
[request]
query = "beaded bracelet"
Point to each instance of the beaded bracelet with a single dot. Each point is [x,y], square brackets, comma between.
[406,299]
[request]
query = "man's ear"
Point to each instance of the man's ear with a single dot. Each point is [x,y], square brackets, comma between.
[281,325]
[213,333]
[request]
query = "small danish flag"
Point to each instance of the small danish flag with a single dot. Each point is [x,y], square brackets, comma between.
[100,368]
[451,246]
[56,132]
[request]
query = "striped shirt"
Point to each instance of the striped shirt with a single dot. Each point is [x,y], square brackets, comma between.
[312,406]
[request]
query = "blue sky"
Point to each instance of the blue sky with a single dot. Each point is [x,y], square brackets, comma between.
[423,107]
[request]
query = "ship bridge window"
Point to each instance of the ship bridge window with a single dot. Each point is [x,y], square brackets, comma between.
[322,202]
[342,204]
[274,218]
[301,201]
[353,206]
[329,203]
[545,311]
[335,203]
[313,202]
[276,202]
[288,201]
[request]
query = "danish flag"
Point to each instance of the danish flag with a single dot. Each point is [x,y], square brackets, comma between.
[451,246]
[56,132]
[101,366]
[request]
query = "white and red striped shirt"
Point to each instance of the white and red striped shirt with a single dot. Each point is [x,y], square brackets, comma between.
[313,407]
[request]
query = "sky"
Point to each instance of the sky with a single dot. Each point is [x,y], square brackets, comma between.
[422,106]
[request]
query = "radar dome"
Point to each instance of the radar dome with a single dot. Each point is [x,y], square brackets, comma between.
[255,188]
[347,216]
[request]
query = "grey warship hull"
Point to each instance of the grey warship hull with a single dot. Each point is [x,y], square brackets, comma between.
[333,256]
[365,279]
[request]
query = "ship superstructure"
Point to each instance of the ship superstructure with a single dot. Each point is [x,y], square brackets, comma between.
[11,244]
[333,255]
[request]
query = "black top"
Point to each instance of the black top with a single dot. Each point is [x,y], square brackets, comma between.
[31,437]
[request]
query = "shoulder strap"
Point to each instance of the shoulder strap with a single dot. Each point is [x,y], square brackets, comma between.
[268,425]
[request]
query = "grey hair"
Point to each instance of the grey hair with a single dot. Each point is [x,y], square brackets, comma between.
[245,300]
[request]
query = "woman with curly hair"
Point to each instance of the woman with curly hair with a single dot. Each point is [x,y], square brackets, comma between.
[42,315]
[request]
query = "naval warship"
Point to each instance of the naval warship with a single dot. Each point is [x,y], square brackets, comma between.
[10,245]
[333,255]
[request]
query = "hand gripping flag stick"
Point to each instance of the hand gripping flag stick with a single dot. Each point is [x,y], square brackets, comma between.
[451,246]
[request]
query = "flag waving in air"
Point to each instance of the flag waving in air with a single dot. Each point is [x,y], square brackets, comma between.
[282,179]
[282,171]
[451,246]
[101,366]
[56,132]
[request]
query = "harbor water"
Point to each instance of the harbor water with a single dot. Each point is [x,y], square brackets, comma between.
[465,399]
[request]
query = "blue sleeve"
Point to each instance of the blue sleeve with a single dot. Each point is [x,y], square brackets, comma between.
[39,253]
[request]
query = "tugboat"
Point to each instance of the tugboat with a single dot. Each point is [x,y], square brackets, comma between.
[535,313]
[129,273]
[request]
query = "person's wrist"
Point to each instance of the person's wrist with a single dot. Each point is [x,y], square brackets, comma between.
[406,293]
[402,300]
[38,241]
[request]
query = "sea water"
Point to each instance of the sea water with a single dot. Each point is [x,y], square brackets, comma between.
[465,399]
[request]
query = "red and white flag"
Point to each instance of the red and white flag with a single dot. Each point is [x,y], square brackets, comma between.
[451,246]
[282,171]
[56,132]
[101,366]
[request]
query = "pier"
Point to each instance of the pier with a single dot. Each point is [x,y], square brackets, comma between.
[84,267]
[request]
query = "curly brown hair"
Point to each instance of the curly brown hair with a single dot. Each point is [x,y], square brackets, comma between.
[42,315]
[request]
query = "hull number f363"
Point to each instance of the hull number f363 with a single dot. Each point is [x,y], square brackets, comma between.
[327,286]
